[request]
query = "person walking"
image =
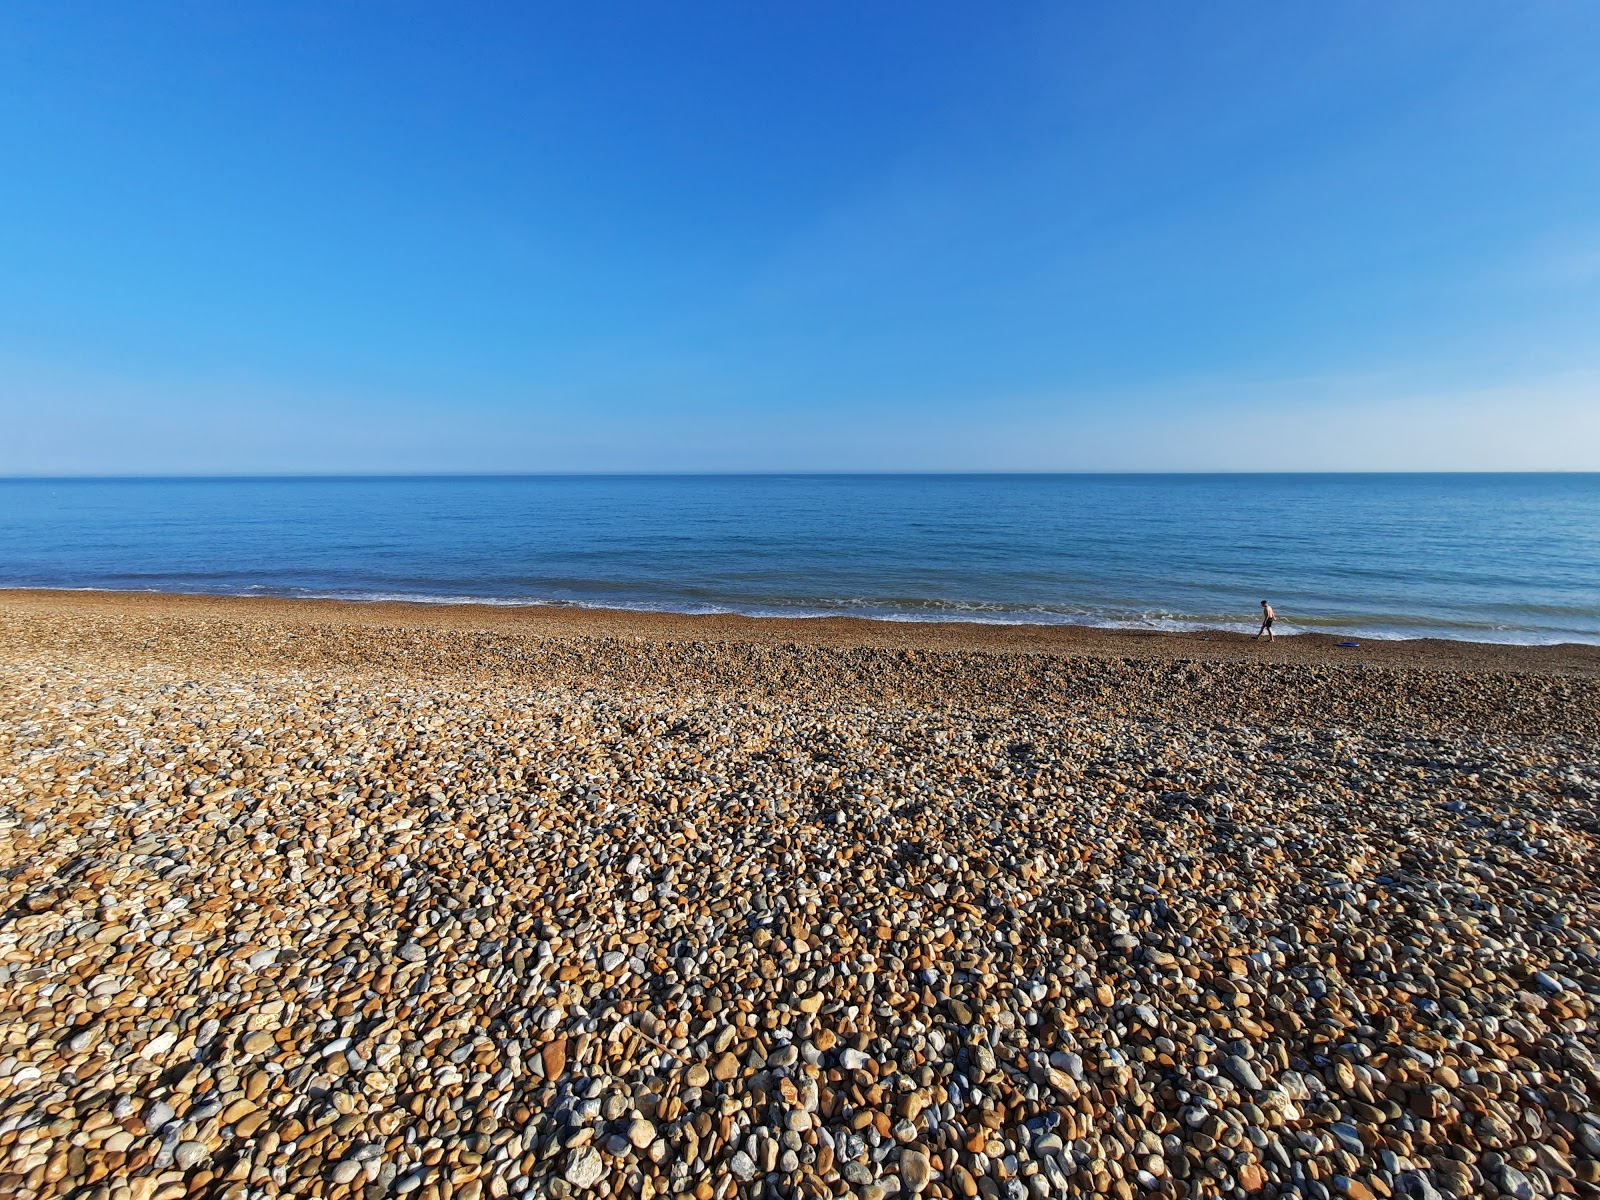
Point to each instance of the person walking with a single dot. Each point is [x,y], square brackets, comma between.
[1267,618]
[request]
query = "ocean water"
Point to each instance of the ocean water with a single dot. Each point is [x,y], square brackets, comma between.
[1506,558]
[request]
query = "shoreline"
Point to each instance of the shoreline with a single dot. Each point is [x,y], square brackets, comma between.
[1406,689]
[1064,640]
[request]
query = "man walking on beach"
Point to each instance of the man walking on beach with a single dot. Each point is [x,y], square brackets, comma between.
[1267,618]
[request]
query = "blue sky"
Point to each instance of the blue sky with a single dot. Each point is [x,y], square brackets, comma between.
[788,236]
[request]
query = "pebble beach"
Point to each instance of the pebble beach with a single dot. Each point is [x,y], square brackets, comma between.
[365,901]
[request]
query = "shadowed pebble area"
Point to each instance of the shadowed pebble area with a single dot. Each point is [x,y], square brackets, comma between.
[300,909]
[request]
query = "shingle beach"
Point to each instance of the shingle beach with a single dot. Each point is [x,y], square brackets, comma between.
[295,902]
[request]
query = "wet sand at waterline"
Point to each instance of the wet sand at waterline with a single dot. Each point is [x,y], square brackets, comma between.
[308,898]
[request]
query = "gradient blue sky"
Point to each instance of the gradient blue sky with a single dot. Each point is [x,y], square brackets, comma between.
[692,236]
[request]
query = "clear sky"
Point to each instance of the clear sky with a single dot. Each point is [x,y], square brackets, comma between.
[798,235]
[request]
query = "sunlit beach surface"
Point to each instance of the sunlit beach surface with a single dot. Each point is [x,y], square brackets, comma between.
[347,900]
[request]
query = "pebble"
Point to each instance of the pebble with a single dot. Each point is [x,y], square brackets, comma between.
[742,1166]
[1243,1072]
[188,1154]
[1515,1184]
[585,1167]
[345,1171]
[319,911]
[915,1171]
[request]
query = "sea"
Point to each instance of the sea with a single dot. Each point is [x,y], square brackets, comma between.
[1479,557]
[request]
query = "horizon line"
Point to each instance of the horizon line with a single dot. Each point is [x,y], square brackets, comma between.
[311,476]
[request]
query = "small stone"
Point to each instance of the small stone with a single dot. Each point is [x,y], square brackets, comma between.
[1349,1137]
[585,1167]
[1417,1185]
[915,1171]
[554,1058]
[1553,1161]
[1045,1144]
[1069,1062]
[1515,1184]
[345,1171]
[1241,1070]
[1454,1178]
[187,1154]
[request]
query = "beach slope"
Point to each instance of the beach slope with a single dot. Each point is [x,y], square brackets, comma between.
[362,900]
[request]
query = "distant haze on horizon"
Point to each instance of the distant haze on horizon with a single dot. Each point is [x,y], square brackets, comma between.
[336,238]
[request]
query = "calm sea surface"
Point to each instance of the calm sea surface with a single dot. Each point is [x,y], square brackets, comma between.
[1512,558]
